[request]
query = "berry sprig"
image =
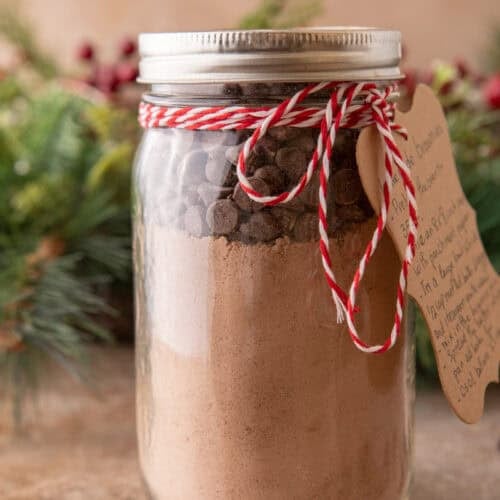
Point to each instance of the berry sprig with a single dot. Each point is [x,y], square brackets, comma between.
[110,78]
[455,84]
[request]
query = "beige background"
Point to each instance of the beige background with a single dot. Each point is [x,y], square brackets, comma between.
[431,28]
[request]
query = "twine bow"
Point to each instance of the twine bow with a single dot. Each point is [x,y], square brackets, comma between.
[349,106]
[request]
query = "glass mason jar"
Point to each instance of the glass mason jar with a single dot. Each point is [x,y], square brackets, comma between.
[247,387]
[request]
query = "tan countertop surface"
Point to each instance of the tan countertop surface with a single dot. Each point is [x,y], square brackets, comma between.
[81,446]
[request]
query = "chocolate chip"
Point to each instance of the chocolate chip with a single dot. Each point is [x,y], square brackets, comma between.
[232,152]
[292,161]
[261,226]
[169,209]
[286,218]
[344,150]
[208,193]
[346,186]
[350,213]
[210,139]
[254,160]
[243,200]
[283,134]
[273,177]
[243,135]
[190,196]
[192,169]
[342,144]
[346,161]
[194,221]
[306,227]
[182,142]
[218,170]
[296,204]
[305,143]
[222,217]
[266,147]
[310,194]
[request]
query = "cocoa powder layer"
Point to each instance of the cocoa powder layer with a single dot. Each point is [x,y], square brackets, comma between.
[249,389]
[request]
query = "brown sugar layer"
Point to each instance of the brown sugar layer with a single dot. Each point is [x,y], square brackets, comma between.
[247,386]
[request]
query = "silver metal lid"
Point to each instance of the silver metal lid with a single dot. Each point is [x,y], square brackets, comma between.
[296,55]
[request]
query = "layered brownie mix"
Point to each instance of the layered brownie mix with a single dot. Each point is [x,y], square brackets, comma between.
[247,386]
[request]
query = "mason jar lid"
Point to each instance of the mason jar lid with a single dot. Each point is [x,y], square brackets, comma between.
[295,55]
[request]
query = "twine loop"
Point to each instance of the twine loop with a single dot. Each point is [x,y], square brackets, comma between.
[350,105]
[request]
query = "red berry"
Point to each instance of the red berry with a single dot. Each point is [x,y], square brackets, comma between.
[127,47]
[85,52]
[491,91]
[127,72]
[105,79]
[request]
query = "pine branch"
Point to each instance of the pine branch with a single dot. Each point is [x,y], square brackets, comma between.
[55,319]
[110,254]
[281,14]
[264,16]
[65,239]
[299,14]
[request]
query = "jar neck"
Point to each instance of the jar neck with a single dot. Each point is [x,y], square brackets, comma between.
[235,93]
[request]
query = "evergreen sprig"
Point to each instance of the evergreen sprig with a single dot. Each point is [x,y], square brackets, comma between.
[65,239]
[281,14]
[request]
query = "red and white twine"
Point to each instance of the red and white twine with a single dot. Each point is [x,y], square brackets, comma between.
[349,106]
